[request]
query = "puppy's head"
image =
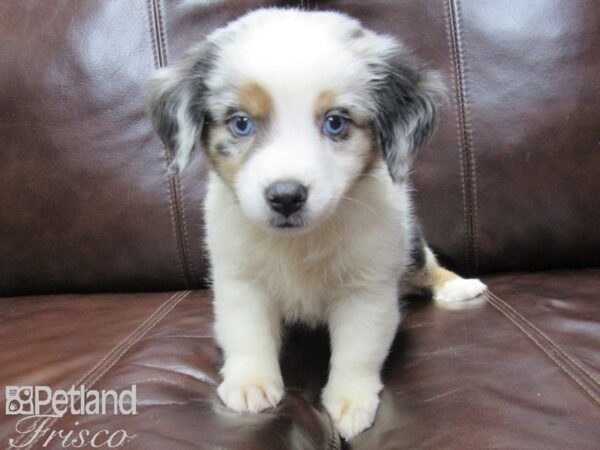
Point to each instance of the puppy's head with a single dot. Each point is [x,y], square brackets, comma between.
[292,107]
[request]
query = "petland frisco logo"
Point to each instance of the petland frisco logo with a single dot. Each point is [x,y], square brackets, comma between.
[41,407]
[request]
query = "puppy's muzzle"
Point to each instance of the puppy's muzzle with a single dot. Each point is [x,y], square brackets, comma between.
[286,197]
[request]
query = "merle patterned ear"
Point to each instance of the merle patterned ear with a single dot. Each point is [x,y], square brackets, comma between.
[406,116]
[177,103]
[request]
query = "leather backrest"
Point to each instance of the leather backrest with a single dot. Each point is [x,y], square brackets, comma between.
[510,180]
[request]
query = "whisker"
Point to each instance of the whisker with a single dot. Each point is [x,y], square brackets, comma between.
[364,205]
[364,175]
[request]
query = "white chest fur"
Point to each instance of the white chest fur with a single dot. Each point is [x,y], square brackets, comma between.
[363,244]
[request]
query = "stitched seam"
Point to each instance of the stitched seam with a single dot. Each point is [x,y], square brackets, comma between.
[333,441]
[113,356]
[555,353]
[109,355]
[455,80]
[159,62]
[582,382]
[469,141]
[120,350]
[180,196]
[158,38]
[153,38]
[464,132]
[595,379]
[190,271]
[161,34]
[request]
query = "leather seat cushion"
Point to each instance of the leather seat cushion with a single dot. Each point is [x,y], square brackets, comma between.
[519,371]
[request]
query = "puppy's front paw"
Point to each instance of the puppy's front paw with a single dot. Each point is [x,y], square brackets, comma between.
[251,396]
[352,407]
[458,290]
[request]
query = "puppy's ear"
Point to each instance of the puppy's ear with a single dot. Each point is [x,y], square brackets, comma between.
[177,103]
[407,99]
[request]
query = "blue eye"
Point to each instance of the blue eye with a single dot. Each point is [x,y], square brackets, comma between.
[241,125]
[334,125]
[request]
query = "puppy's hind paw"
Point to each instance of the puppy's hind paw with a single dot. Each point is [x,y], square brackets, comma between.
[458,290]
[251,397]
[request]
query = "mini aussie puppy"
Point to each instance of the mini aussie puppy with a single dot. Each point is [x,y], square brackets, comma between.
[310,122]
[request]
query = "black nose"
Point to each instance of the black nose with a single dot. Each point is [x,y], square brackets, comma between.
[286,197]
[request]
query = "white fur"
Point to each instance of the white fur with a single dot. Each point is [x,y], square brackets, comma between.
[458,290]
[345,270]
[280,51]
[343,266]
[344,273]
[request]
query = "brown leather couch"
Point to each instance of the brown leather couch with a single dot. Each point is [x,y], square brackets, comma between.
[101,262]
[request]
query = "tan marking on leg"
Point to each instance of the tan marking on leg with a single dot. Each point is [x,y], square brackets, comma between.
[439,276]
[432,275]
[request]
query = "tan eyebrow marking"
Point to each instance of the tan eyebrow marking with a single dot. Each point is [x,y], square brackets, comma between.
[326,101]
[256,101]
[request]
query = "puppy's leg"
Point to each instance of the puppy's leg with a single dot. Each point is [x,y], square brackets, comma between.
[248,329]
[446,286]
[362,327]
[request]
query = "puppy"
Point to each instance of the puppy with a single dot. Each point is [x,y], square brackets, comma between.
[310,123]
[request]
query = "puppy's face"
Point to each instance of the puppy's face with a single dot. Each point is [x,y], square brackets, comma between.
[288,155]
[292,108]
